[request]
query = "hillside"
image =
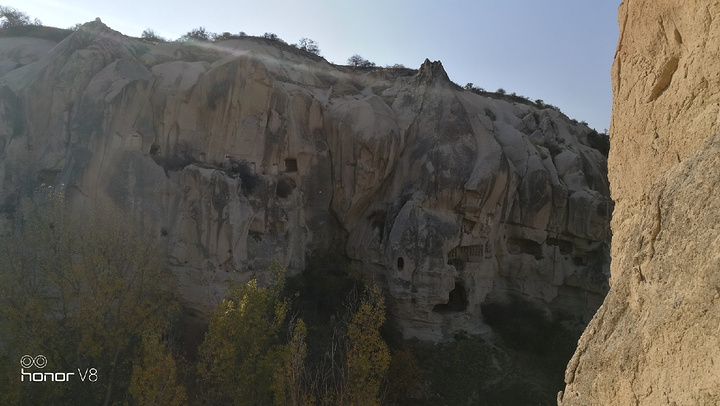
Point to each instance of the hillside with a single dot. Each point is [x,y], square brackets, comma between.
[237,152]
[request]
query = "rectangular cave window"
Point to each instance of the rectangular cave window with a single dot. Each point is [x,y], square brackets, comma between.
[400,263]
[291,165]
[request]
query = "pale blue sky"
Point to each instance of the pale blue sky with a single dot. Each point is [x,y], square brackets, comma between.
[556,50]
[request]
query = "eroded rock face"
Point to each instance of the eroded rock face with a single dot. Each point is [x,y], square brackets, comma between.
[238,152]
[655,338]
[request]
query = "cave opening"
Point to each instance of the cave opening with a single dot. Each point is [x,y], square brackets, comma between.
[400,263]
[457,301]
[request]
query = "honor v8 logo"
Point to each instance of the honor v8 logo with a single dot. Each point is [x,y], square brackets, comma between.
[40,362]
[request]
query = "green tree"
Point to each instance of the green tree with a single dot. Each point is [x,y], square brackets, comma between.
[242,356]
[292,387]
[369,357]
[154,378]
[79,290]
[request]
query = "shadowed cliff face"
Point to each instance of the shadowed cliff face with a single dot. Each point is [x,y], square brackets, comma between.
[655,338]
[238,152]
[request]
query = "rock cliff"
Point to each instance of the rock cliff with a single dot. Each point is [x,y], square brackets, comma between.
[237,152]
[655,338]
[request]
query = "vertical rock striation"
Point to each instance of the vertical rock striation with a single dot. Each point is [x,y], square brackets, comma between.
[237,152]
[656,338]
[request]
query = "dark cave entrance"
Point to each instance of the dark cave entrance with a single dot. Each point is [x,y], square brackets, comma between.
[457,301]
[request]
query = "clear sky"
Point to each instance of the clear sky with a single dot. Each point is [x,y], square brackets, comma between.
[556,50]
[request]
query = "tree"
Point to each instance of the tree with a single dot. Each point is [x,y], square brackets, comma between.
[293,386]
[150,35]
[227,35]
[154,378]
[242,356]
[369,357]
[306,44]
[197,34]
[79,290]
[10,17]
[357,60]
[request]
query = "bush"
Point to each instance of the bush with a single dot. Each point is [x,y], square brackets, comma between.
[308,45]
[599,141]
[226,36]
[357,60]
[10,17]
[197,34]
[150,35]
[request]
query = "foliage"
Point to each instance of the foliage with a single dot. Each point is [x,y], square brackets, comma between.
[293,386]
[197,34]
[154,379]
[500,91]
[150,35]
[272,36]
[599,141]
[306,44]
[79,290]
[357,60]
[242,357]
[227,35]
[369,357]
[404,378]
[10,17]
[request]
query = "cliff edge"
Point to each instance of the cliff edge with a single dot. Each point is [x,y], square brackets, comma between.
[655,340]
[237,152]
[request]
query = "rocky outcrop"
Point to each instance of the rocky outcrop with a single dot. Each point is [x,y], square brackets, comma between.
[655,338]
[238,152]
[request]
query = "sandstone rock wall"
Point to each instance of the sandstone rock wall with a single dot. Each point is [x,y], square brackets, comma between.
[238,152]
[655,338]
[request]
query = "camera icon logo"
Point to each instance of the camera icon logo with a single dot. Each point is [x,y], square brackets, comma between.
[27,361]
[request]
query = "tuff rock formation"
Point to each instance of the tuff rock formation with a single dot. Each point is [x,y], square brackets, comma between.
[238,152]
[656,338]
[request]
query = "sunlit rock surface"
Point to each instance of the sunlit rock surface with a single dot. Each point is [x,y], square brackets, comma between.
[238,152]
[655,340]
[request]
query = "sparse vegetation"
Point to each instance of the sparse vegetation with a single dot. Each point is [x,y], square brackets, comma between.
[359,61]
[196,34]
[308,45]
[151,36]
[227,36]
[10,17]
[273,37]
[599,141]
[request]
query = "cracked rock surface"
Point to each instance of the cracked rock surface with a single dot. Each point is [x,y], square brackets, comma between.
[656,338]
[238,152]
